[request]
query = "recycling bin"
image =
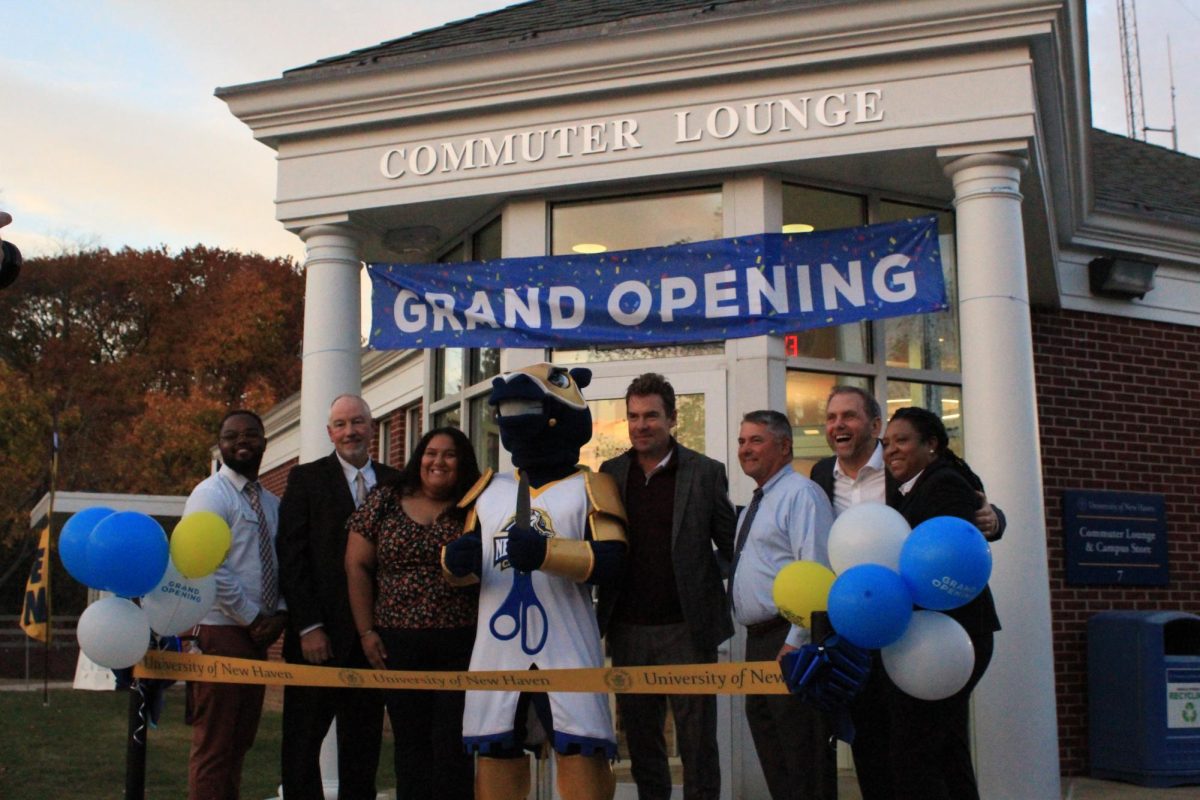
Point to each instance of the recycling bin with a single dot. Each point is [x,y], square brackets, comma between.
[1144,697]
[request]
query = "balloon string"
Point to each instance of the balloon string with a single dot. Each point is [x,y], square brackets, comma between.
[139,733]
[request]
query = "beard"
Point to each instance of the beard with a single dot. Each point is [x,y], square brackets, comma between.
[247,467]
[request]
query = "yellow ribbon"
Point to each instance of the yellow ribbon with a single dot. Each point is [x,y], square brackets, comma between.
[753,677]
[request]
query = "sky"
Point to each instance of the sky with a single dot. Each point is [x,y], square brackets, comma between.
[111,135]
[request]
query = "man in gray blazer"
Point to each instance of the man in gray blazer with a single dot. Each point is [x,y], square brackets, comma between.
[671,606]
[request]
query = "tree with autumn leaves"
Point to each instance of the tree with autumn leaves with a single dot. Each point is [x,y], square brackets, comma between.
[134,356]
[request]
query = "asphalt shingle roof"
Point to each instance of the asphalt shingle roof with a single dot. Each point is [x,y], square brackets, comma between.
[1133,177]
[524,22]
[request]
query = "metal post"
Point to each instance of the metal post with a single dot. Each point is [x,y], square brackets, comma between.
[135,747]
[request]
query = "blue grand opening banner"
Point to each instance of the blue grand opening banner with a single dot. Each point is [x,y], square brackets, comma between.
[703,291]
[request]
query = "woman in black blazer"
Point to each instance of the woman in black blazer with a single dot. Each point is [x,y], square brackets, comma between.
[930,747]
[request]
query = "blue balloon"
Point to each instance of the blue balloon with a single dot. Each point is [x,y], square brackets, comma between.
[870,606]
[946,563]
[127,554]
[73,541]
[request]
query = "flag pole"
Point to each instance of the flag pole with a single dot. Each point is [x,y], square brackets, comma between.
[50,567]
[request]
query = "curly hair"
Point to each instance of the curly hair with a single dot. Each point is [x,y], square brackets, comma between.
[929,428]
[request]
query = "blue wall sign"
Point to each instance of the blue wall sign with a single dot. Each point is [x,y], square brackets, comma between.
[1115,538]
[703,291]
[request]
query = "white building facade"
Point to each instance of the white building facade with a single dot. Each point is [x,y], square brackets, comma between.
[520,133]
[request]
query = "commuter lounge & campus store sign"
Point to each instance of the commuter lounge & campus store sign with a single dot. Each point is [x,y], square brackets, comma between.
[1115,538]
[703,291]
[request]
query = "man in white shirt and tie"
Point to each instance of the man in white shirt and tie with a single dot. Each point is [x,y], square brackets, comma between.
[248,615]
[321,495]
[788,520]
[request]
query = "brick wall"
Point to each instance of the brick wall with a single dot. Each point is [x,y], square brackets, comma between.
[398,419]
[275,480]
[1118,410]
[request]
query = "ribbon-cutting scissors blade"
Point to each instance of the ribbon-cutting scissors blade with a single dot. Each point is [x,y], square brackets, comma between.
[523,517]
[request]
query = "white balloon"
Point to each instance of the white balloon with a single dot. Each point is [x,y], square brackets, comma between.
[867,533]
[933,659]
[113,632]
[178,603]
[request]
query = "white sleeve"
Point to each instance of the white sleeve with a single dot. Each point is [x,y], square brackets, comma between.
[231,598]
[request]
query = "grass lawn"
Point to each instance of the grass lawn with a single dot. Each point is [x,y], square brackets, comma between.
[75,748]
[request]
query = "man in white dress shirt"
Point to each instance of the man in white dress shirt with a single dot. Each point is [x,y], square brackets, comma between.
[788,520]
[249,613]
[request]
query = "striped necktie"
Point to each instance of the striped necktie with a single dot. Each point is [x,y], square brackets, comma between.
[266,550]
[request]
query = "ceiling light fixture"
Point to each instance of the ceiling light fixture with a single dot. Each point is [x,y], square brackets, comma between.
[588,249]
[797,227]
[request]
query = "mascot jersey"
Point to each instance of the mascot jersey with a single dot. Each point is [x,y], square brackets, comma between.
[566,619]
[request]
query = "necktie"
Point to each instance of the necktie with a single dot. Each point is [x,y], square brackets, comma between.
[360,488]
[743,534]
[266,551]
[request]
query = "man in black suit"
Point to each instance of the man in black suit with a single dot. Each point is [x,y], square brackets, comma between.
[321,495]
[671,606]
[855,474]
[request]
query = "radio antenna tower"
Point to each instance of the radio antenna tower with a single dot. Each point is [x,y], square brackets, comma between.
[1174,129]
[1131,63]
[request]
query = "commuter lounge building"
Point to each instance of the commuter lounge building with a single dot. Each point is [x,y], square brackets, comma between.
[1072,258]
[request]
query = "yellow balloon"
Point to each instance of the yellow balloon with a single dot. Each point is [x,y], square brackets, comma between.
[801,588]
[199,544]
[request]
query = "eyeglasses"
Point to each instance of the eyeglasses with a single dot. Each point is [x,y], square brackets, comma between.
[233,436]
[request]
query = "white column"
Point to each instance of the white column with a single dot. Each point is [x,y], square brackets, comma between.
[1016,735]
[751,204]
[332,351]
[331,365]
[523,233]
[524,230]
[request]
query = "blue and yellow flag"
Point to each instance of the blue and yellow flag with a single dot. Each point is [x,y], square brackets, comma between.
[35,617]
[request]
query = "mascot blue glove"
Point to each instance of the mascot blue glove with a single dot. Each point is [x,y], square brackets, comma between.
[464,556]
[526,548]
[828,675]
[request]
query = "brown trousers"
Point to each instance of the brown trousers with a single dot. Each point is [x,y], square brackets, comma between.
[224,718]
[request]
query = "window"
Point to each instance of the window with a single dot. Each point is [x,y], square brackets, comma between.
[384,450]
[610,431]
[806,396]
[806,210]
[413,428]
[629,223]
[925,341]
[945,401]
[462,377]
[903,360]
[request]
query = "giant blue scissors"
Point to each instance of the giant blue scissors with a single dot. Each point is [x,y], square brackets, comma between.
[521,610]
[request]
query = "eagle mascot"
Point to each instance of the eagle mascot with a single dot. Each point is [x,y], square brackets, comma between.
[537,539]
